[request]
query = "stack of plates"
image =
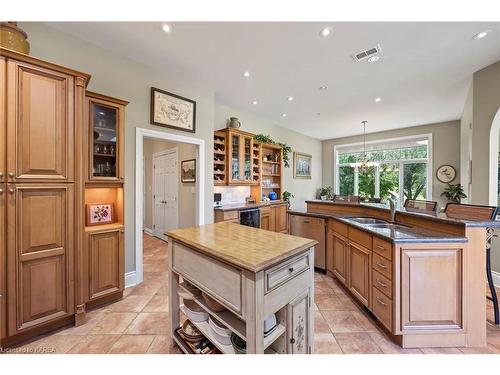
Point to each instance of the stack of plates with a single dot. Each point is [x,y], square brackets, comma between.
[191,333]
[194,312]
[220,332]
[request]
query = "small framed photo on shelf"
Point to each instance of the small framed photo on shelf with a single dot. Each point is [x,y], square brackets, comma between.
[188,171]
[99,214]
[172,111]
[302,164]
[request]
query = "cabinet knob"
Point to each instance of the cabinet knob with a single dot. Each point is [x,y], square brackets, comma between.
[1,190]
[11,190]
[122,178]
[11,174]
[290,269]
[1,174]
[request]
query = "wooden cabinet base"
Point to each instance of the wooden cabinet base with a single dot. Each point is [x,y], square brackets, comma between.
[104,300]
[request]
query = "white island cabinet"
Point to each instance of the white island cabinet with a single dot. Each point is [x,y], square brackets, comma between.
[253,273]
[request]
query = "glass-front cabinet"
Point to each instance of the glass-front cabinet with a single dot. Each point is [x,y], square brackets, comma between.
[106,130]
[240,158]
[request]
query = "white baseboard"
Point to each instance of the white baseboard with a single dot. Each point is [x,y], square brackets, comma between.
[130,279]
[148,231]
[496,278]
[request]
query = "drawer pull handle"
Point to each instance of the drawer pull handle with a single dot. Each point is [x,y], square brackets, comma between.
[381,302]
[290,269]
[381,247]
[381,265]
[381,284]
[306,221]
[292,341]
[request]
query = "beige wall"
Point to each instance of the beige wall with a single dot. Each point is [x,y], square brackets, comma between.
[186,192]
[127,79]
[445,150]
[301,189]
[466,144]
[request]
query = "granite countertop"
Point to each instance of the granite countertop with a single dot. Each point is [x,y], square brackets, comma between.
[438,217]
[244,247]
[245,206]
[399,235]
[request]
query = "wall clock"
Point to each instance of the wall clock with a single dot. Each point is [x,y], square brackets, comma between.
[446,173]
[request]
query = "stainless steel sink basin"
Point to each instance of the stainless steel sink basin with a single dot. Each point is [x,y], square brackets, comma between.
[368,220]
[389,226]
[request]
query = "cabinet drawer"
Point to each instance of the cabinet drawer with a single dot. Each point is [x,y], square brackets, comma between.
[382,247]
[382,265]
[276,276]
[360,237]
[230,215]
[382,308]
[221,281]
[382,283]
[338,227]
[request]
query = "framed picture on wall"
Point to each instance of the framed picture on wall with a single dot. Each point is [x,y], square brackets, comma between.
[99,214]
[302,165]
[188,171]
[172,111]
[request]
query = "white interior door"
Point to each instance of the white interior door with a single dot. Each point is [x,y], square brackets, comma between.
[165,192]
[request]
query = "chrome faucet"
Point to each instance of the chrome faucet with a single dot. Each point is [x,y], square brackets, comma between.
[392,205]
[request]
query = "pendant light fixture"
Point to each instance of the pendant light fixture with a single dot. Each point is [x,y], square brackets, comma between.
[365,166]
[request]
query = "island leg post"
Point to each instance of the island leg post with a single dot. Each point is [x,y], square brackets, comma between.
[254,290]
[173,296]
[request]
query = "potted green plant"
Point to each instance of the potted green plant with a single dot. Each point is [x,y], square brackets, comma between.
[286,196]
[454,193]
[326,193]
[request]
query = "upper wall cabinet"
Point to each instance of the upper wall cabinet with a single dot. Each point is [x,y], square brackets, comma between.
[40,111]
[105,119]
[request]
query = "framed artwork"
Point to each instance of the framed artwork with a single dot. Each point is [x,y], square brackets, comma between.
[302,165]
[188,171]
[172,111]
[99,214]
[446,173]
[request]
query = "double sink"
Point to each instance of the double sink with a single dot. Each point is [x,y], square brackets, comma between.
[377,223]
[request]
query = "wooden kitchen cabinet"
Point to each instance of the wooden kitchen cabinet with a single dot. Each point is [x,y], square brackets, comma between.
[298,325]
[281,218]
[105,263]
[3,262]
[40,124]
[340,254]
[240,151]
[265,218]
[359,272]
[40,252]
[105,121]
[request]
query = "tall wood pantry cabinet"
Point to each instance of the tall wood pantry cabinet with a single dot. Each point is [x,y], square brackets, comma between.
[52,265]
[41,107]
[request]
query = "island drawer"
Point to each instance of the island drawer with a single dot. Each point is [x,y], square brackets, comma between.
[382,283]
[230,215]
[382,247]
[382,265]
[221,281]
[276,276]
[338,227]
[382,308]
[360,237]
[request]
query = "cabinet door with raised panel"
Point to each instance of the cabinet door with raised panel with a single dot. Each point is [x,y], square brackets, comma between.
[106,263]
[359,272]
[265,216]
[339,258]
[281,219]
[40,124]
[298,325]
[3,125]
[3,265]
[40,254]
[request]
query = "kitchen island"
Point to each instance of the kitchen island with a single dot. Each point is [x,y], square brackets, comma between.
[422,276]
[252,274]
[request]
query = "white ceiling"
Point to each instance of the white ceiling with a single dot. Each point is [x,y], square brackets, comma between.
[422,77]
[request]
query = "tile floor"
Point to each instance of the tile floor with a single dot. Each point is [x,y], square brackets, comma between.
[139,324]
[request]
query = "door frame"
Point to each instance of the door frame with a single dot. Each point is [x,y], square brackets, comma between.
[140,134]
[169,151]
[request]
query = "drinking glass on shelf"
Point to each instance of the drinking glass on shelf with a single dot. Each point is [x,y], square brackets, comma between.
[105,149]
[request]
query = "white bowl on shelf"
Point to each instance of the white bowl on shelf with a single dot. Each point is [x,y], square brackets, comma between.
[195,316]
[220,332]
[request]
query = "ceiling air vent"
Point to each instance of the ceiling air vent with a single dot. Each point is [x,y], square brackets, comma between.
[363,55]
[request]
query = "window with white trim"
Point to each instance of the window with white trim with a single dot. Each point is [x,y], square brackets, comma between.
[398,168]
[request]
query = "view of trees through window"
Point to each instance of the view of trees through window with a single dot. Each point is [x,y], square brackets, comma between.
[389,168]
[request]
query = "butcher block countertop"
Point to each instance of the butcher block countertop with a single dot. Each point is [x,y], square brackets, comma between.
[244,247]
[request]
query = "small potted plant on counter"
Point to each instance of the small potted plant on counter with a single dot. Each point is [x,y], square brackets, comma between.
[454,193]
[286,196]
[326,193]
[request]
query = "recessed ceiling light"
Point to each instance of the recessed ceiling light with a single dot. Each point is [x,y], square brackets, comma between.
[373,59]
[283,115]
[327,31]
[323,87]
[481,35]
[290,98]
[166,27]
[318,114]
[378,99]
[246,74]
[254,102]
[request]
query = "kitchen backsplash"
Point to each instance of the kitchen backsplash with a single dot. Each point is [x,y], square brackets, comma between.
[233,194]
